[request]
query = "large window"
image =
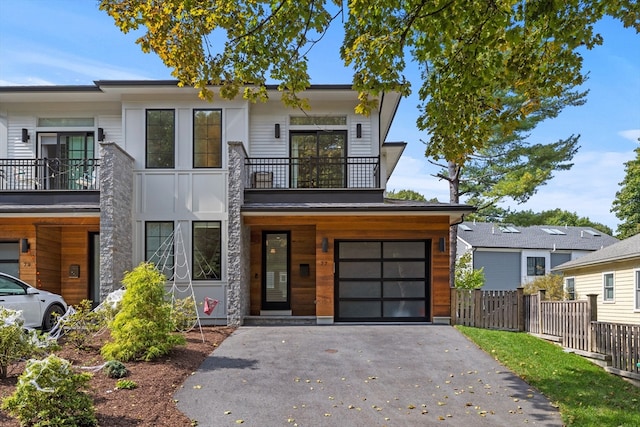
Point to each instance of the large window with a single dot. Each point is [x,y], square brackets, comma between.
[535,266]
[159,246]
[570,287]
[207,138]
[318,159]
[608,285]
[10,258]
[206,250]
[161,139]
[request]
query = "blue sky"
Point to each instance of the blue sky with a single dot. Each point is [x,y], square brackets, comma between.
[70,42]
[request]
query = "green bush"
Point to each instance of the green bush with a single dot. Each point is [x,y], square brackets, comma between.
[126,385]
[142,329]
[184,314]
[50,394]
[466,277]
[553,284]
[82,324]
[16,343]
[115,369]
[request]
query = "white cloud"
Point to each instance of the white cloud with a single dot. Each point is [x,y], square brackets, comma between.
[631,134]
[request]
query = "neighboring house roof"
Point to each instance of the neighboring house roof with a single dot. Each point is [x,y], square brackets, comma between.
[621,251]
[548,237]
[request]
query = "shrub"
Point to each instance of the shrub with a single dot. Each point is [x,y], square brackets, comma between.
[142,329]
[50,394]
[466,277]
[126,385]
[82,324]
[16,343]
[184,314]
[115,369]
[553,284]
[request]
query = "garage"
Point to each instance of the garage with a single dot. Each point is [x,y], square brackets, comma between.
[382,280]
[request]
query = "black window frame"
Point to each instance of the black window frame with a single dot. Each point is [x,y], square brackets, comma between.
[197,271]
[535,267]
[206,153]
[168,272]
[148,163]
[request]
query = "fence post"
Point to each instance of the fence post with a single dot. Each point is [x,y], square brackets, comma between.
[520,302]
[477,308]
[539,308]
[592,301]
[454,306]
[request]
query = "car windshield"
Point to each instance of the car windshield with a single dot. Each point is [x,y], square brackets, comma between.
[9,287]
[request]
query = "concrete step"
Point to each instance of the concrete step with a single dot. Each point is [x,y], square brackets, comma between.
[279,320]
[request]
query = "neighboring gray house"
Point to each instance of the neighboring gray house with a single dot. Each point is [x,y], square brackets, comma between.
[513,256]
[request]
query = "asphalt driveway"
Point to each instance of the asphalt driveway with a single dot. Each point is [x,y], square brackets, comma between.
[356,375]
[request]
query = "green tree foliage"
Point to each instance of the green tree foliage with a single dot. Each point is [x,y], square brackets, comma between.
[553,217]
[470,53]
[50,394]
[142,329]
[626,205]
[466,277]
[553,284]
[406,195]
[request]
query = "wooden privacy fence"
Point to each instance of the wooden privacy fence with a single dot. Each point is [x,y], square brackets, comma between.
[571,323]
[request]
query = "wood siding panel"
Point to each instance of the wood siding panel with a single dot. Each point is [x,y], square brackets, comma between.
[357,227]
[48,253]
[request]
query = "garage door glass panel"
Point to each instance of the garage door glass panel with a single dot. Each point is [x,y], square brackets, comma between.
[359,270]
[403,309]
[360,309]
[404,249]
[360,290]
[404,269]
[360,250]
[404,290]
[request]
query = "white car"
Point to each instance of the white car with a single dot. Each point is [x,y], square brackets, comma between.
[40,309]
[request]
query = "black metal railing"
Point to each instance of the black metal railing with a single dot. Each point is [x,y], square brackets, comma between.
[312,172]
[49,174]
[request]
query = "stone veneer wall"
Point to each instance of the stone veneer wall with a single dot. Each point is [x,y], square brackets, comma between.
[116,226]
[238,240]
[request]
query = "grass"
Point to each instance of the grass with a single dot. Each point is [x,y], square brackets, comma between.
[585,394]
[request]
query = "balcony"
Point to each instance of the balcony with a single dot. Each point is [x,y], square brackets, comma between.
[50,181]
[312,179]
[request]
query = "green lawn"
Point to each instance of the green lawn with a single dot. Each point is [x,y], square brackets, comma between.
[585,394]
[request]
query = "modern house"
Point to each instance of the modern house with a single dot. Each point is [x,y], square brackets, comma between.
[513,256]
[270,210]
[612,273]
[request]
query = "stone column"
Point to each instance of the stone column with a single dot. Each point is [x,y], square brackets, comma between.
[238,240]
[116,226]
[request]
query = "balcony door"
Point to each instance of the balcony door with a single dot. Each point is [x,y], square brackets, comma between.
[68,160]
[318,159]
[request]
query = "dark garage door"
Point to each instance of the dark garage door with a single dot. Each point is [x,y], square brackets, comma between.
[382,281]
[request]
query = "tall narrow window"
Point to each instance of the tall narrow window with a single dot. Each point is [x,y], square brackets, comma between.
[161,139]
[535,266]
[570,287]
[158,238]
[206,250]
[207,138]
[607,279]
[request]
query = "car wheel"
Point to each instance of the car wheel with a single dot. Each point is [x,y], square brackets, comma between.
[51,316]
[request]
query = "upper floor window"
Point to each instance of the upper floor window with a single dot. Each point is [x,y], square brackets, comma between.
[207,138]
[318,159]
[570,287]
[161,139]
[608,285]
[536,266]
[159,246]
[637,277]
[318,120]
[207,260]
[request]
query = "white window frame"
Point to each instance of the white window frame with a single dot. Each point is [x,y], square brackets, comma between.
[636,278]
[566,287]
[613,288]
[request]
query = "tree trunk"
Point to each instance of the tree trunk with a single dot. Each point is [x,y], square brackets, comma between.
[454,197]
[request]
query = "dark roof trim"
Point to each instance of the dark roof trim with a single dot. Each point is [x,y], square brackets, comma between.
[51,88]
[305,208]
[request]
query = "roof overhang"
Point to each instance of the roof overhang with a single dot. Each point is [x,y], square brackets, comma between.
[391,152]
